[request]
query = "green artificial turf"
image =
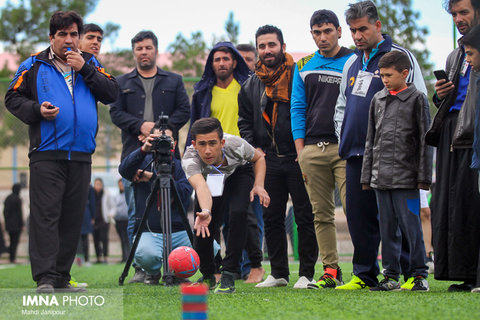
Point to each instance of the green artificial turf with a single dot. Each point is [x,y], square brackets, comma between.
[159,302]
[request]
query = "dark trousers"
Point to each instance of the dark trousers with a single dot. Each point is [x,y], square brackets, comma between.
[284,177]
[12,249]
[100,240]
[236,193]
[399,214]
[58,195]
[455,209]
[121,226]
[83,246]
[362,220]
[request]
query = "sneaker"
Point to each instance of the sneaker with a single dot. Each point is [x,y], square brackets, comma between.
[420,284]
[138,277]
[227,283]
[355,284]
[210,281]
[407,285]
[476,290]
[45,288]
[462,287]
[330,279]
[68,288]
[256,275]
[271,282]
[76,284]
[387,284]
[152,279]
[303,283]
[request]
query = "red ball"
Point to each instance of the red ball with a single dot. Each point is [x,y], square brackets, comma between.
[183,262]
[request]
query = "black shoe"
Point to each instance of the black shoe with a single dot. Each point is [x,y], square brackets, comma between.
[152,280]
[420,284]
[45,288]
[178,281]
[227,283]
[462,287]
[68,288]
[138,277]
[209,280]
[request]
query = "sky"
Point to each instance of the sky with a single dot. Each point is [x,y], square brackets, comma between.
[168,18]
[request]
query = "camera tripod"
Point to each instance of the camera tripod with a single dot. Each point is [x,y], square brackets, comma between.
[162,185]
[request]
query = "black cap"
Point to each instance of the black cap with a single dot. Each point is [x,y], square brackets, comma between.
[324,16]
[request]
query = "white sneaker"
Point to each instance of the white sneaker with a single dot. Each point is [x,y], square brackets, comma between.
[303,282]
[476,290]
[272,282]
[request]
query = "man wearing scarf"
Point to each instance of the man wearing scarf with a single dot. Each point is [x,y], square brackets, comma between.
[264,121]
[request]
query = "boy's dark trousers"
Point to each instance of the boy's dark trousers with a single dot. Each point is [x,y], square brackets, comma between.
[399,216]
[236,194]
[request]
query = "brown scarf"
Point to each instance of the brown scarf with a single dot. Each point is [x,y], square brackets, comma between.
[278,83]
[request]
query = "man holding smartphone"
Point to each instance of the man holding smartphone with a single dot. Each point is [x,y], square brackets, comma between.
[455,198]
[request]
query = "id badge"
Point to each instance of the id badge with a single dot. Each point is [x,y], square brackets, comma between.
[364,79]
[215,184]
[464,69]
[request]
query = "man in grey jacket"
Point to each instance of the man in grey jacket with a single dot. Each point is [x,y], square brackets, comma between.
[455,219]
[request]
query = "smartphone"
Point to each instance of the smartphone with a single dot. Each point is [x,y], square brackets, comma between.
[441,74]
[51,106]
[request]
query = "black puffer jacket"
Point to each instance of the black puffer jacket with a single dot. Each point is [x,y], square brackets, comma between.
[396,156]
[252,101]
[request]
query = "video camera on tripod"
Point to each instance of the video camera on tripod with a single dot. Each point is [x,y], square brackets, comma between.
[163,148]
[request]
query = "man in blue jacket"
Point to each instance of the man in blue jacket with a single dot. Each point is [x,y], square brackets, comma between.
[360,81]
[316,83]
[55,93]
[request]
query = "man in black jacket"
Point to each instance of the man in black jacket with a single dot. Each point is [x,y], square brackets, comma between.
[455,197]
[264,121]
[145,93]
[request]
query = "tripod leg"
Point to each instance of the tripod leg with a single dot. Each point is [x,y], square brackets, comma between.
[182,211]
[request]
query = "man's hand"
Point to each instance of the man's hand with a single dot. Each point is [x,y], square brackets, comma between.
[299,145]
[147,142]
[262,195]
[201,224]
[75,60]
[47,111]
[142,176]
[366,187]
[146,128]
[423,186]
[443,88]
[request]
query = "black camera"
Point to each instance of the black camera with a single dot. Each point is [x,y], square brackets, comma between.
[162,146]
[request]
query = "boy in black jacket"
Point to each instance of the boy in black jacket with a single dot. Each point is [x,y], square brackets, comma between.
[396,164]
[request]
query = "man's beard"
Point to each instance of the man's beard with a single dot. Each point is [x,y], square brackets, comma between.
[279,58]
[224,76]
[146,66]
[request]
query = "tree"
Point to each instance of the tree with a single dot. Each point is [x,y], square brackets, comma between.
[399,21]
[26,24]
[232,28]
[188,55]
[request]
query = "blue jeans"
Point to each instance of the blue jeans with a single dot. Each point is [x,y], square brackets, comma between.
[130,200]
[149,253]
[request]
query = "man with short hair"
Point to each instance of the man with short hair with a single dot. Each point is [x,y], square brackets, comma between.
[219,168]
[316,83]
[145,93]
[249,54]
[455,218]
[62,118]
[360,81]
[264,121]
[216,95]
[91,39]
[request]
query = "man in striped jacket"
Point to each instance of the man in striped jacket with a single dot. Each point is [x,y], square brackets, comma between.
[360,81]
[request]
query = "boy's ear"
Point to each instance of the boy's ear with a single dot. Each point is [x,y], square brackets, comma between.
[405,73]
